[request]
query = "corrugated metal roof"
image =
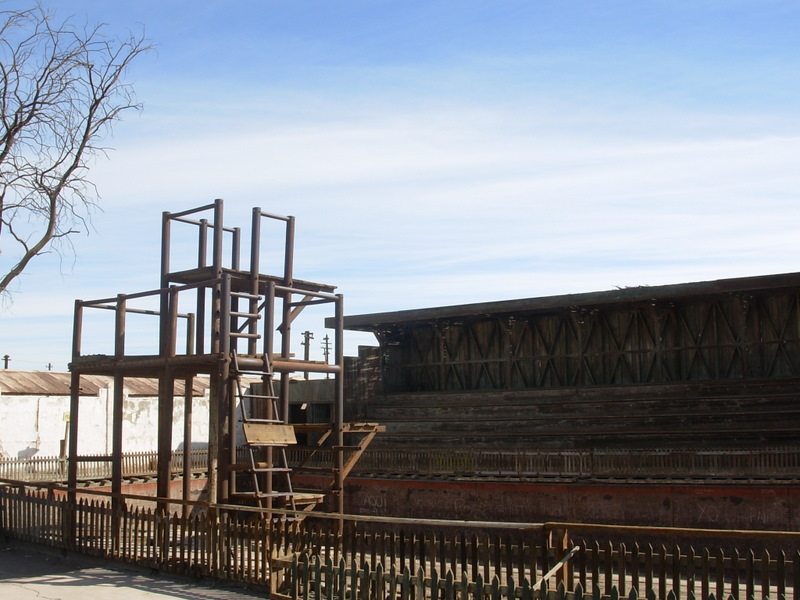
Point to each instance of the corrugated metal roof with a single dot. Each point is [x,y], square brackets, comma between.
[56,383]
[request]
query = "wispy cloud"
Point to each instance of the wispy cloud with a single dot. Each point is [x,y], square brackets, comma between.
[530,162]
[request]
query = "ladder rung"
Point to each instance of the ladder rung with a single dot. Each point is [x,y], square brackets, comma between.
[259,397]
[268,470]
[261,467]
[245,314]
[265,494]
[275,421]
[267,445]
[255,373]
[245,295]
[245,335]
[316,469]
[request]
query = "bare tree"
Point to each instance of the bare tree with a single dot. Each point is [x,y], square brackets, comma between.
[61,88]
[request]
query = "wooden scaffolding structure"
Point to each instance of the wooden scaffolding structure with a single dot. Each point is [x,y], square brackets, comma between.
[237,330]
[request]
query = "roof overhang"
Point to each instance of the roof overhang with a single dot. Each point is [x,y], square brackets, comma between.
[619,296]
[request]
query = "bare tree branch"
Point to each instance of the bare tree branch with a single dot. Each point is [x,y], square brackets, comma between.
[61,90]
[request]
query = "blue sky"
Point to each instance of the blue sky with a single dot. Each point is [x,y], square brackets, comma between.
[446,152]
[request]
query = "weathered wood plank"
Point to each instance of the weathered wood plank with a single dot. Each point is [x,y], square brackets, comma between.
[268,434]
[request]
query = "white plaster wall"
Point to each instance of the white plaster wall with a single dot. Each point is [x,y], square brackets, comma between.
[32,425]
[35,425]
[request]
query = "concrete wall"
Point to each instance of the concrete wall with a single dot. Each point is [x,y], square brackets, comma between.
[36,425]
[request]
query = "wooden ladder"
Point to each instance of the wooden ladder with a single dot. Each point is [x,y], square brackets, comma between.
[261,432]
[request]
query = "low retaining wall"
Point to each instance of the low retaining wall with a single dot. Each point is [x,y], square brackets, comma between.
[758,506]
[753,506]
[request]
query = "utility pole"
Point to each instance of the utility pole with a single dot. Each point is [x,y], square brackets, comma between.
[6,358]
[307,337]
[326,351]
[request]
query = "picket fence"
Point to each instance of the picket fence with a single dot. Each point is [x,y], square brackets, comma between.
[338,556]
[604,561]
[311,579]
[134,464]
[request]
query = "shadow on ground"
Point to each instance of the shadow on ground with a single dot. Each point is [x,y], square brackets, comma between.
[31,571]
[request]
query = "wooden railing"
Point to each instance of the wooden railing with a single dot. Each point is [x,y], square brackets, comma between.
[779,463]
[338,556]
[766,463]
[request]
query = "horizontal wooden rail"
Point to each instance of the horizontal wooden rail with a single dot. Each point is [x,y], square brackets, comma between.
[766,463]
[762,463]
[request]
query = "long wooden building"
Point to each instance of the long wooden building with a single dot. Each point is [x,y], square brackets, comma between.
[670,405]
[709,364]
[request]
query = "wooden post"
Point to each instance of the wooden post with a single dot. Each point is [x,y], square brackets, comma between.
[213,439]
[562,545]
[166,395]
[338,408]
[188,384]
[225,454]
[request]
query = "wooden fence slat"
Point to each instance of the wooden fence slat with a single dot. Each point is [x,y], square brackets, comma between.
[608,571]
[463,588]
[796,575]
[307,566]
[780,574]
[622,571]
[719,561]
[691,566]
[405,585]
[705,575]
[474,569]
[676,572]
